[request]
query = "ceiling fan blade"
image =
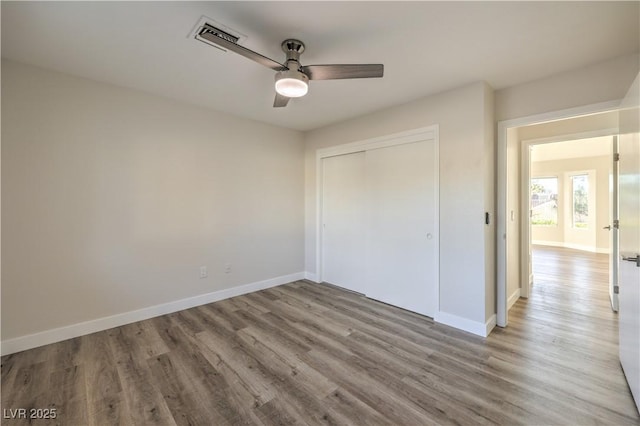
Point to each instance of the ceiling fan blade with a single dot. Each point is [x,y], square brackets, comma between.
[216,38]
[334,72]
[280,101]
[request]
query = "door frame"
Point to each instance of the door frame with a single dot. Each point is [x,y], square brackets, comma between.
[502,211]
[410,136]
[614,262]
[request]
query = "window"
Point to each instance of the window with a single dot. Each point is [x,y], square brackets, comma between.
[580,191]
[544,201]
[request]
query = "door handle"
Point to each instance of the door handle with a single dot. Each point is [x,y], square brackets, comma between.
[633,259]
[607,227]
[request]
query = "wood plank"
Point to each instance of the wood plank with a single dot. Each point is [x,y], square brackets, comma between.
[306,353]
[67,392]
[144,403]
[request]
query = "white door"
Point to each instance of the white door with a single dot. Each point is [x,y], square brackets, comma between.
[402,229]
[629,239]
[343,221]
[613,227]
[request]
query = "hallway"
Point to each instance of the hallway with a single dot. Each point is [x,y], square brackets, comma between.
[572,331]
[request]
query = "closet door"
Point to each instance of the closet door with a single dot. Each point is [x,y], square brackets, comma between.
[343,216]
[402,229]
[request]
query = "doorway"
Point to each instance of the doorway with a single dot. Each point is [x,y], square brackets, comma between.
[628,145]
[514,239]
[569,192]
[571,210]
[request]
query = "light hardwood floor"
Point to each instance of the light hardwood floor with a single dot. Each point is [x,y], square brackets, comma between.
[305,353]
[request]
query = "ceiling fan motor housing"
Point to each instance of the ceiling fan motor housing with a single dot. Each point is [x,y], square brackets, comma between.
[293,48]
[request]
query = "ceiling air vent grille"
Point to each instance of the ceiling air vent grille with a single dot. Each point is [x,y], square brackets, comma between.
[210,29]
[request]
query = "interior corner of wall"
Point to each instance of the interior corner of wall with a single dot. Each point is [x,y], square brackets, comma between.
[311,276]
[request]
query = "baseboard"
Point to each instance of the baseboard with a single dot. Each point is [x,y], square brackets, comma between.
[490,324]
[580,247]
[465,324]
[30,341]
[513,298]
[311,277]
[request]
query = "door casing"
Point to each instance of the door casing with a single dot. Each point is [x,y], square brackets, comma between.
[502,208]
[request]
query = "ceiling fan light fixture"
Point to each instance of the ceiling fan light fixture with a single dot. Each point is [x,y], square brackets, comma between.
[292,83]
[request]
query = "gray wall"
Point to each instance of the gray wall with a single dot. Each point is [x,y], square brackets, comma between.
[466,188]
[113,199]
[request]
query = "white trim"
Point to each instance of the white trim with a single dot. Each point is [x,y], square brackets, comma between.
[502,213]
[513,298]
[572,137]
[490,325]
[311,277]
[563,114]
[46,337]
[465,324]
[525,220]
[415,135]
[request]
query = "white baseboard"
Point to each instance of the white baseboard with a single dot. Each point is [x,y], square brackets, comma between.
[490,324]
[311,277]
[513,298]
[465,324]
[563,244]
[46,337]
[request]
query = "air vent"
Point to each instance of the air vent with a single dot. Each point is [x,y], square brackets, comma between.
[209,29]
[209,26]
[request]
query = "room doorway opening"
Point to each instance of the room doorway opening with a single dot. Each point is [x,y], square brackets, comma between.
[607,119]
[569,231]
[516,139]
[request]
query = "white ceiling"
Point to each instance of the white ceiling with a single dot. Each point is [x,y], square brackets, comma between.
[426,47]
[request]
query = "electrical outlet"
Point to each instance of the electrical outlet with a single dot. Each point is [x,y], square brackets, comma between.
[227,268]
[203,272]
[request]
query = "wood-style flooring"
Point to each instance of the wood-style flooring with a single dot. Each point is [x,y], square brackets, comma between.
[305,353]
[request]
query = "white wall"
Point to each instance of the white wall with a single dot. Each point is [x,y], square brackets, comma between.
[586,124]
[606,81]
[465,188]
[562,235]
[489,172]
[113,199]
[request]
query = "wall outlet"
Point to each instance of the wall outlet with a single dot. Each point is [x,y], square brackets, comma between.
[227,268]
[203,272]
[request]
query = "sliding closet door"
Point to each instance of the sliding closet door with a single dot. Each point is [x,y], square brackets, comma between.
[343,215]
[402,228]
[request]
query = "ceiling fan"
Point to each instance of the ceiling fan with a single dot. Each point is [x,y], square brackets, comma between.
[292,78]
